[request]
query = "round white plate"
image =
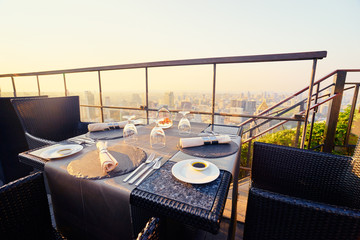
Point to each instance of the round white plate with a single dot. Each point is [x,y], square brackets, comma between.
[184,172]
[61,151]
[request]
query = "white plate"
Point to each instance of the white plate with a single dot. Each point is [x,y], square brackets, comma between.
[60,151]
[184,172]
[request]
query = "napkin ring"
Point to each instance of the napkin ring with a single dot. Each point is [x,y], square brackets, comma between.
[113,126]
[210,140]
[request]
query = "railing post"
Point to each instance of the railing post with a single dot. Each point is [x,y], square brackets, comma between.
[333,112]
[297,133]
[65,88]
[100,95]
[351,117]
[38,84]
[308,103]
[147,95]
[213,100]
[314,111]
[249,149]
[13,84]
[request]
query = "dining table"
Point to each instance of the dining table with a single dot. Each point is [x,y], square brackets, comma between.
[105,207]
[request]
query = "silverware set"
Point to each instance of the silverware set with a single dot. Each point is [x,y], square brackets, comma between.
[146,168]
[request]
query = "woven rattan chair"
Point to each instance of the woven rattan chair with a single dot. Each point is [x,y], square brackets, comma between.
[49,120]
[12,141]
[151,230]
[302,194]
[24,210]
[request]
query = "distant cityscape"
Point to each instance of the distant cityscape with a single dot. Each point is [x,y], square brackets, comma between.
[248,103]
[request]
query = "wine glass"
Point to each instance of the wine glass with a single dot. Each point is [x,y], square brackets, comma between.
[157,137]
[184,124]
[164,118]
[130,133]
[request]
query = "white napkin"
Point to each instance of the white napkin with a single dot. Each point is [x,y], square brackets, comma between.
[107,161]
[199,141]
[93,127]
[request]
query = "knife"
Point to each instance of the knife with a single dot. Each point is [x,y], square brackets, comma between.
[149,160]
[144,170]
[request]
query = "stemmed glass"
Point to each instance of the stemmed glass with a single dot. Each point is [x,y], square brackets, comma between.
[130,133]
[157,137]
[164,118]
[184,124]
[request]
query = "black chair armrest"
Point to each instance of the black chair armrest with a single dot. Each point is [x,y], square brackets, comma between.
[36,142]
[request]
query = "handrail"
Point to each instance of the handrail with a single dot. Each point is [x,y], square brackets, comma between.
[199,61]
[299,92]
[285,121]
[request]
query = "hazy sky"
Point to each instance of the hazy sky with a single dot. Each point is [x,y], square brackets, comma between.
[47,35]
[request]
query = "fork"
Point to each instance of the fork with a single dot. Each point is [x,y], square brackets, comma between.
[148,160]
[154,167]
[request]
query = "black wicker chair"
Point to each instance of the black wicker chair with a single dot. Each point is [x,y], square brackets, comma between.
[151,230]
[12,141]
[302,194]
[24,210]
[49,120]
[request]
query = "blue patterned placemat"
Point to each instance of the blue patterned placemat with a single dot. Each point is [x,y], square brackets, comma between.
[164,184]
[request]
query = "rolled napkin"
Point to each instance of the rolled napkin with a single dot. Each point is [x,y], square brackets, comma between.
[199,141]
[93,127]
[107,161]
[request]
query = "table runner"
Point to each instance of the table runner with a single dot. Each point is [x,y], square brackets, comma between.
[100,209]
[164,184]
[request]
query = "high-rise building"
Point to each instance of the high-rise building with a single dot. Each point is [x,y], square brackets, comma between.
[169,99]
[90,100]
[250,107]
[186,105]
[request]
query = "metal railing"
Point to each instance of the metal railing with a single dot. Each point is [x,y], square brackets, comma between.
[314,56]
[316,96]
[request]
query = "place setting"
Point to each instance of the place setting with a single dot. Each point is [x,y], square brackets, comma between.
[107,161]
[113,130]
[208,146]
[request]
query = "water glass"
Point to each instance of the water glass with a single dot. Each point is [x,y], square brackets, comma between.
[164,118]
[157,137]
[184,124]
[130,133]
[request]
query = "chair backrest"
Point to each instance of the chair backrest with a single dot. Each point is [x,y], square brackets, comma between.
[24,209]
[12,141]
[53,119]
[302,194]
[316,176]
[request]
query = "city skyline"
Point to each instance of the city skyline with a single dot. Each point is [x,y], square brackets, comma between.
[45,35]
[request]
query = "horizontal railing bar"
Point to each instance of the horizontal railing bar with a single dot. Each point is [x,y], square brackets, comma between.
[200,61]
[201,113]
[353,83]
[113,107]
